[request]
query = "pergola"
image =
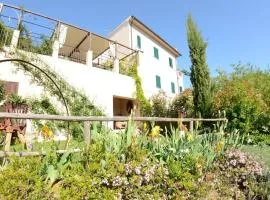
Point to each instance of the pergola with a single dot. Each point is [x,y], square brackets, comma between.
[77,42]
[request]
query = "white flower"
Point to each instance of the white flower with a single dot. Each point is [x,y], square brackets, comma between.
[138,170]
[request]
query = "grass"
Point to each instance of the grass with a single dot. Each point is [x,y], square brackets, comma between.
[260,152]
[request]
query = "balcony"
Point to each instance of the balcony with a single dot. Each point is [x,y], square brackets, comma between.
[33,32]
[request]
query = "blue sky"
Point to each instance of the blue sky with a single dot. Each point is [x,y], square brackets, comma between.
[236,30]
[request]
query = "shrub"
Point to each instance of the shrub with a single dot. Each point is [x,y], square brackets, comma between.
[246,173]
[159,104]
[125,166]
[21,180]
[244,97]
[183,103]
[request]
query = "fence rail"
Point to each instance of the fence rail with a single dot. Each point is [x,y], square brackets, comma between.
[87,123]
[100,118]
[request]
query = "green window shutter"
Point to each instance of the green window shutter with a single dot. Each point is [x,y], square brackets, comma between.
[173,87]
[139,44]
[156,53]
[158,82]
[180,89]
[170,63]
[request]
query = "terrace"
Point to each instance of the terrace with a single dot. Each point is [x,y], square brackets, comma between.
[33,32]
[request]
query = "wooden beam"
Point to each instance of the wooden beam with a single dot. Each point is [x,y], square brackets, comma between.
[78,45]
[191,126]
[87,133]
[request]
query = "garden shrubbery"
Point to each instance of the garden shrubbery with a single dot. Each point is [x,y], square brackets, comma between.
[244,96]
[148,166]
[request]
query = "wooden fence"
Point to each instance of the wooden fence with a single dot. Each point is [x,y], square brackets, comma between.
[87,120]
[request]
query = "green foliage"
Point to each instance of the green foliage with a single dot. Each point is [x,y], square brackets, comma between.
[125,166]
[242,170]
[199,77]
[144,104]
[2,92]
[258,139]
[183,103]
[42,106]
[5,35]
[244,96]
[55,165]
[159,104]
[21,180]
[45,48]
[26,43]
[16,99]
[45,106]
[78,103]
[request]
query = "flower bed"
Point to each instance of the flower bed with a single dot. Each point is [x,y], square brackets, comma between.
[124,166]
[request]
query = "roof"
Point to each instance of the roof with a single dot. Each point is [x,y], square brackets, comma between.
[133,21]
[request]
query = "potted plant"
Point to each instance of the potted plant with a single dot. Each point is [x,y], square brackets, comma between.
[16,104]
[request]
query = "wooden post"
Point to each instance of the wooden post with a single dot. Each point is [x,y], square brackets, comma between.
[87,133]
[22,139]
[8,140]
[191,126]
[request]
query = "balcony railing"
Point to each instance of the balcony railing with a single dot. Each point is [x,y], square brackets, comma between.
[47,36]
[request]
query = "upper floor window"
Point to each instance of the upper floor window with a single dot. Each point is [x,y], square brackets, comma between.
[156,53]
[171,62]
[173,87]
[139,44]
[180,89]
[158,81]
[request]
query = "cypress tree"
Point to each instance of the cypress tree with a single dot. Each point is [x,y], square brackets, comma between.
[199,76]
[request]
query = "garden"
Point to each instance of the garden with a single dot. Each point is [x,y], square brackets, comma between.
[227,159]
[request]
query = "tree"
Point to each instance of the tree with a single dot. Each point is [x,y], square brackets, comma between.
[199,76]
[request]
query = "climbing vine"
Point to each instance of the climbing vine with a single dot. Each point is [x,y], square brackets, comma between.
[78,102]
[144,104]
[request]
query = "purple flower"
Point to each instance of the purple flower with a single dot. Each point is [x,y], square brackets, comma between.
[233,162]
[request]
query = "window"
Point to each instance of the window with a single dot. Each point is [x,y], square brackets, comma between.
[139,44]
[170,62]
[156,53]
[158,82]
[173,87]
[10,87]
[180,89]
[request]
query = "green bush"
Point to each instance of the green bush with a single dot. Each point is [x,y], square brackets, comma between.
[183,103]
[159,104]
[21,180]
[125,166]
[244,95]
[258,139]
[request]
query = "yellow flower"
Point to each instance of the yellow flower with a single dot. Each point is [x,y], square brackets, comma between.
[145,126]
[155,131]
[46,131]
[219,146]
[190,137]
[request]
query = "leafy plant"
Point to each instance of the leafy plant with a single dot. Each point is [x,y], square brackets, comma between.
[244,97]
[2,92]
[55,165]
[182,103]
[15,99]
